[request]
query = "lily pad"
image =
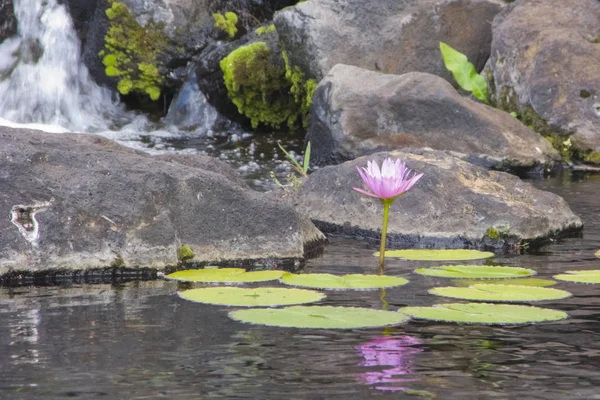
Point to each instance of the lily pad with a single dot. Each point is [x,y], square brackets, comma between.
[259,297]
[325,317]
[580,276]
[476,271]
[335,282]
[484,313]
[487,292]
[224,275]
[438,255]
[533,282]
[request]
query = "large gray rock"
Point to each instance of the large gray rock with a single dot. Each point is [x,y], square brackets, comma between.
[390,36]
[545,65]
[357,112]
[455,204]
[78,201]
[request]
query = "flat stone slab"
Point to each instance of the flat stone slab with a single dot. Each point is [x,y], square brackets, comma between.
[454,205]
[77,201]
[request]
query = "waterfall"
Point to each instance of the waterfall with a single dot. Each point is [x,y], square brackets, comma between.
[42,78]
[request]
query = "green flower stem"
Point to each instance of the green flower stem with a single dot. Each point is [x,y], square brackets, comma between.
[386,212]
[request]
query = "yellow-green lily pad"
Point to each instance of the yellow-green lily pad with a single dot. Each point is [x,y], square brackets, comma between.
[438,255]
[345,282]
[580,276]
[484,313]
[476,272]
[259,297]
[533,282]
[324,317]
[224,275]
[502,293]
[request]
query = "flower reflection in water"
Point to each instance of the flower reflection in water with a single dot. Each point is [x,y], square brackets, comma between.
[392,353]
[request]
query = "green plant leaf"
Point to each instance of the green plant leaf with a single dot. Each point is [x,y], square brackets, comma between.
[491,292]
[306,162]
[259,297]
[224,275]
[464,72]
[335,282]
[533,282]
[476,272]
[580,276]
[484,313]
[325,317]
[438,255]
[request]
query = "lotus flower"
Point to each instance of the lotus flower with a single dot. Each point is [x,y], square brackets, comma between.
[387,184]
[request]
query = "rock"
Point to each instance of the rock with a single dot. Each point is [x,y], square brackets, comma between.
[8,22]
[357,112]
[390,36]
[453,205]
[80,201]
[545,65]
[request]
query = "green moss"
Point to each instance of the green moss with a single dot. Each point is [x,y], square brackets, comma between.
[264,90]
[185,253]
[130,52]
[226,22]
[265,29]
[592,157]
[492,233]
[118,262]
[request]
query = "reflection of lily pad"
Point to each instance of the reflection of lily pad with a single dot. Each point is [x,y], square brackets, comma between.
[487,292]
[326,317]
[438,255]
[476,271]
[484,313]
[533,282]
[580,276]
[335,282]
[259,297]
[224,275]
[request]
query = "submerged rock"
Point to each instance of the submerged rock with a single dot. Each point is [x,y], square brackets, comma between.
[545,65]
[357,112]
[454,205]
[80,201]
[391,36]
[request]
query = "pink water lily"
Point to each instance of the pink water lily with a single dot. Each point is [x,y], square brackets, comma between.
[391,182]
[387,184]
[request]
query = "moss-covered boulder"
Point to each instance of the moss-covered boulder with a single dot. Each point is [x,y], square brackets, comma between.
[545,66]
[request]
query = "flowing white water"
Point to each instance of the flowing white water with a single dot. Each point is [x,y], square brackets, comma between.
[42,79]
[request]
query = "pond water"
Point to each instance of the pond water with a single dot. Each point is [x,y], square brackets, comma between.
[138,340]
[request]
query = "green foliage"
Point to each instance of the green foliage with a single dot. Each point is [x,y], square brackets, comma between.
[258,297]
[475,271]
[351,281]
[316,317]
[227,22]
[265,29]
[185,253]
[130,52]
[464,72]
[264,91]
[301,169]
[482,313]
[438,255]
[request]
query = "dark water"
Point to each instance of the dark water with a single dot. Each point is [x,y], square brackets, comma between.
[139,341]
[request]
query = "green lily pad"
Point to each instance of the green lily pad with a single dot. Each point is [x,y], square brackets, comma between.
[484,313]
[325,317]
[487,292]
[259,297]
[580,276]
[438,255]
[533,282]
[224,275]
[476,271]
[335,282]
